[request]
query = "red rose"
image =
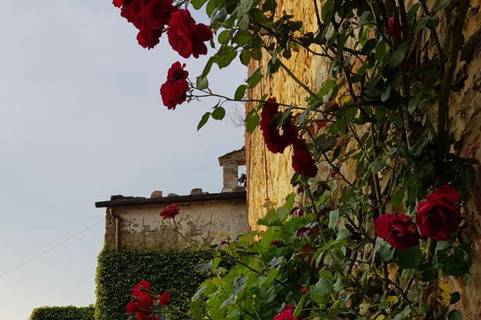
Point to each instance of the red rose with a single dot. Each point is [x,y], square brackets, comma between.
[174,90]
[155,14]
[438,215]
[145,300]
[118,3]
[131,11]
[140,315]
[132,307]
[148,38]
[164,298]
[142,286]
[274,141]
[394,28]
[185,36]
[170,212]
[302,161]
[397,229]
[286,314]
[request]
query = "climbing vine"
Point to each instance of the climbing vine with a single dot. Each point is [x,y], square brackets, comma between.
[382,228]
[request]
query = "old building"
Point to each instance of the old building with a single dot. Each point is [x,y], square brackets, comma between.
[205,219]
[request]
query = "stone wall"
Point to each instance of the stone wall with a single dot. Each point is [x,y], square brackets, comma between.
[202,222]
[270,173]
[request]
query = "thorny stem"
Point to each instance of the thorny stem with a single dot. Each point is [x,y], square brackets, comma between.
[454,44]
[437,42]
[318,17]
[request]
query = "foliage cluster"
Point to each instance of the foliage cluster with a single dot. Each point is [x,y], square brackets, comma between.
[378,234]
[63,313]
[119,271]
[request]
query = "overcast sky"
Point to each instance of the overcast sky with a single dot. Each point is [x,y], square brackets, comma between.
[81,119]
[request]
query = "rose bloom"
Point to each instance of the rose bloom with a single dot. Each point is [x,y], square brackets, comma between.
[185,36]
[438,216]
[142,286]
[394,28]
[148,38]
[145,300]
[286,314]
[164,298]
[174,90]
[131,11]
[155,14]
[275,142]
[398,230]
[302,161]
[132,307]
[170,211]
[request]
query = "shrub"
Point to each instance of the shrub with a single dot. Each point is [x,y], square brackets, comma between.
[119,271]
[63,313]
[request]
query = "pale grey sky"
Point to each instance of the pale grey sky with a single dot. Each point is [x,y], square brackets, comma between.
[81,119]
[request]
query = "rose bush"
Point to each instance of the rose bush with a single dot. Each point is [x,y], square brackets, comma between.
[371,150]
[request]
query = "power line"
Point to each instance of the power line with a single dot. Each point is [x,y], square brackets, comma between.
[51,248]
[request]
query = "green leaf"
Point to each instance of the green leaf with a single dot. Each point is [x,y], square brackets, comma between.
[299,306]
[455,315]
[267,238]
[326,87]
[224,37]
[385,251]
[240,92]
[224,56]
[256,53]
[218,113]
[254,79]
[245,57]
[242,38]
[333,218]
[282,213]
[398,56]
[243,7]
[197,4]
[455,261]
[328,10]
[203,120]
[320,291]
[410,258]
[455,297]
[202,82]
[252,121]
[211,6]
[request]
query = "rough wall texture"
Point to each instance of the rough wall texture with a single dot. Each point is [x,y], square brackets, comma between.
[202,224]
[270,174]
[466,115]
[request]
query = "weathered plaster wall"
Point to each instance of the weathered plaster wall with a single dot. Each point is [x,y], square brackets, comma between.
[203,224]
[270,173]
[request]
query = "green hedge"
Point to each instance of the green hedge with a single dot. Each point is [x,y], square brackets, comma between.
[63,313]
[119,271]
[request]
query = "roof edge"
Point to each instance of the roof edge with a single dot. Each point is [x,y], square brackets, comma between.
[128,201]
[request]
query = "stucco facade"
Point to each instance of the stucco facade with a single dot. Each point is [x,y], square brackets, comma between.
[203,221]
